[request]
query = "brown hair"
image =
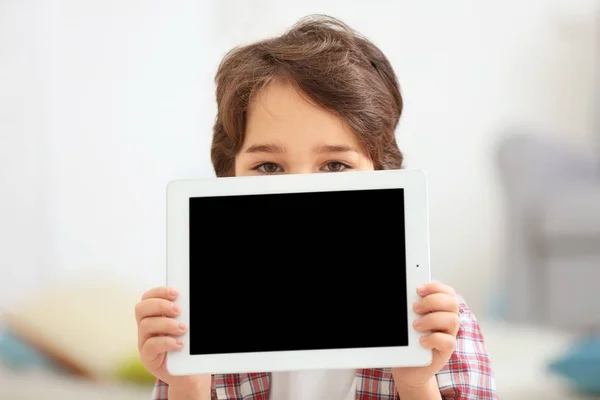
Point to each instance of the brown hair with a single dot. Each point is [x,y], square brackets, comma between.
[333,65]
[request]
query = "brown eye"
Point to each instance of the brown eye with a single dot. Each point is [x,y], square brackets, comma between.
[269,168]
[335,166]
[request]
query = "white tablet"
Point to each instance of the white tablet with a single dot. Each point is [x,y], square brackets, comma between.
[296,272]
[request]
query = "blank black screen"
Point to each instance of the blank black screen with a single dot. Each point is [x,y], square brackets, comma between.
[301,271]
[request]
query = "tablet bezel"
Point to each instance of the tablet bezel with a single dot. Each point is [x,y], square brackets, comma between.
[417,261]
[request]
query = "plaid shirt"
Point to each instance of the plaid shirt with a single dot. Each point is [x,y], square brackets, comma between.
[467,376]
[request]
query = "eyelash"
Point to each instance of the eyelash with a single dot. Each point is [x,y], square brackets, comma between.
[258,167]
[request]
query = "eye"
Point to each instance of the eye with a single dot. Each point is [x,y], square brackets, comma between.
[269,168]
[335,166]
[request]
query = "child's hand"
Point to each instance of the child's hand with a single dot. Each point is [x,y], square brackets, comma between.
[438,310]
[158,332]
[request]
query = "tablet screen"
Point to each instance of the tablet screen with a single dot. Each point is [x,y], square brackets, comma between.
[297,271]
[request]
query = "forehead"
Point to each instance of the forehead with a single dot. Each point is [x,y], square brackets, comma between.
[282,113]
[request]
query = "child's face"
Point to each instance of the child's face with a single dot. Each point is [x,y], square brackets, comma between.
[286,134]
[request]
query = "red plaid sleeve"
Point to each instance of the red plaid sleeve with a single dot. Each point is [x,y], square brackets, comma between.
[253,386]
[231,386]
[468,374]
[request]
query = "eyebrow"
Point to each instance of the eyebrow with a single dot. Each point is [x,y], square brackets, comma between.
[336,149]
[277,149]
[265,148]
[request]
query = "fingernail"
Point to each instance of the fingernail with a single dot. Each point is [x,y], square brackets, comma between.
[417,305]
[422,290]
[175,307]
[173,292]
[182,326]
[418,323]
[422,339]
[179,342]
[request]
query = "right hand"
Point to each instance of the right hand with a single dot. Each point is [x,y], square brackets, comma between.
[159,332]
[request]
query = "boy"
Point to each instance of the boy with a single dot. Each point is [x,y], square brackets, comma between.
[319,99]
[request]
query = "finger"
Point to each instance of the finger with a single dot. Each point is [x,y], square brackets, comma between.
[159,326]
[156,308]
[157,345]
[444,322]
[435,287]
[439,341]
[436,302]
[161,292]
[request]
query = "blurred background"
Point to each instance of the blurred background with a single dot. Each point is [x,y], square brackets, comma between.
[103,102]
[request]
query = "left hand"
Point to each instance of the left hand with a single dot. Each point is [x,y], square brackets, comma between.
[438,310]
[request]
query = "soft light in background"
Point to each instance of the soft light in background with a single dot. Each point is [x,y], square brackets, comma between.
[103,102]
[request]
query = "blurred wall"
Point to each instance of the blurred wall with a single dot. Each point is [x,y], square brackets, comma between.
[103,102]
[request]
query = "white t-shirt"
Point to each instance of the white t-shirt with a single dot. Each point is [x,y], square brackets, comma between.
[313,385]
